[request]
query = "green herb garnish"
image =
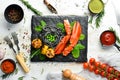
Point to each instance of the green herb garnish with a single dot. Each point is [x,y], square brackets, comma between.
[117,37]
[39,27]
[36,52]
[99,17]
[91,19]
[61,26]
[42,57]
[72,24]
[21,78]
[76,50]
[82,37]
[31,8]
[34,78]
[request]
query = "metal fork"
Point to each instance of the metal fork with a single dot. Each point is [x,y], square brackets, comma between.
[9,42]
[15,38]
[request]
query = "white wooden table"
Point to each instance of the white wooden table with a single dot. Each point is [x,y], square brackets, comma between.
[64,7]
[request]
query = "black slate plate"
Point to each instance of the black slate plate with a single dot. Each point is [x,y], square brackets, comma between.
[52,21]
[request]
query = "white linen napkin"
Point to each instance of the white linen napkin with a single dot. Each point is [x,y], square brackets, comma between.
[116,4]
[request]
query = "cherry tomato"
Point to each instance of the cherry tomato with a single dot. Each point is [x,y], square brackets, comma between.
[117,73]
[97,71]
[103,74]
[91,68]
[92,61]
[110,70]
[85,65]
[115,79]
[110,76]
[97,64]
[103,66]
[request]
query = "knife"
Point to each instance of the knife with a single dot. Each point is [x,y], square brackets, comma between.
[50,7]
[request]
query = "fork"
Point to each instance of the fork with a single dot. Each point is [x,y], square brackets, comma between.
[9,42]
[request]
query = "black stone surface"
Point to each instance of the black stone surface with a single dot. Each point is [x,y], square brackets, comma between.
[51,22]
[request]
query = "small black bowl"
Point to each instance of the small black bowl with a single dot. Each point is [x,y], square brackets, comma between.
[13,13]
[4,64]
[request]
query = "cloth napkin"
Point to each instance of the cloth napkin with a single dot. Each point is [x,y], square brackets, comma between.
[116,4]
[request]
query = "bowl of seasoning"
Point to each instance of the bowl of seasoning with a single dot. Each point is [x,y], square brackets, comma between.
[13,13]
[8,66]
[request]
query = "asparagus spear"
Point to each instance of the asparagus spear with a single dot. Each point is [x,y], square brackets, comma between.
[31,8]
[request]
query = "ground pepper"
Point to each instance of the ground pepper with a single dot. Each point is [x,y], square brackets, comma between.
[7,66]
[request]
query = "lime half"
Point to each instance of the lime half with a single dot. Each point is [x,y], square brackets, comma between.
[96,6]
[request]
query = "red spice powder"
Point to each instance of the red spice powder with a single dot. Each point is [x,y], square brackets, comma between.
[7,67]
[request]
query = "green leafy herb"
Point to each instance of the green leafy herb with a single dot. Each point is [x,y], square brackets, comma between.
[36,52]
[42,57]
[81,46]
[31,8]
[99,17]
[72,24]
[40,26]
[21,78]
[61,26]
[91,19]
[16,71]
[76,50]
[34,78]
[117,37]
[82,37]
[43,23]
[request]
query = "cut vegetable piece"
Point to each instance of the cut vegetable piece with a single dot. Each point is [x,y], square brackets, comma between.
[96,6]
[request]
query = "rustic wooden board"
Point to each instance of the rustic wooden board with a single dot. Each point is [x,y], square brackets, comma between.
[52,21]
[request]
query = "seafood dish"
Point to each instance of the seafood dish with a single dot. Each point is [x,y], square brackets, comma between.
[59,38]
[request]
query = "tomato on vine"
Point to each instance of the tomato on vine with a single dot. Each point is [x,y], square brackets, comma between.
[91,68]
[103,66]
[92,61]
[110,70]
[85,65]
[97,71]
[103,74]
[97,64]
